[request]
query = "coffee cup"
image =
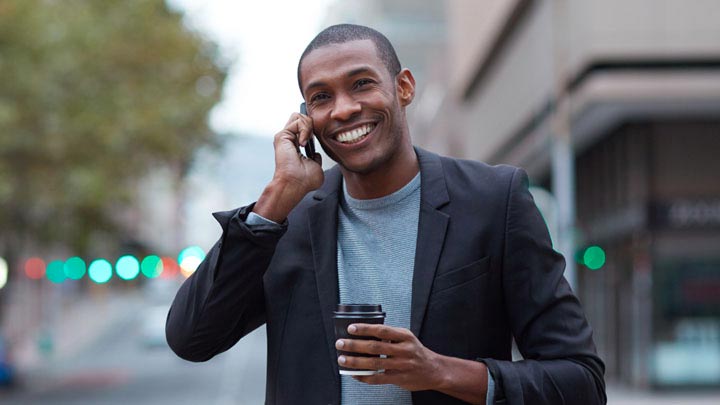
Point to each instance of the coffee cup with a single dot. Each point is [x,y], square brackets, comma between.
[348,314]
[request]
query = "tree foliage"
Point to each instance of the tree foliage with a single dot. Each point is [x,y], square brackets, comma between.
[94,94]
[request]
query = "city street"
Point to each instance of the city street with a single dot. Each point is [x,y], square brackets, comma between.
[123,366]
[127,361]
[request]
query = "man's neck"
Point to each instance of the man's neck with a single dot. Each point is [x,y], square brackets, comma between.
[399,172]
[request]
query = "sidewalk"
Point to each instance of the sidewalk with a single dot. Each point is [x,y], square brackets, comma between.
[76,324]
[624,396]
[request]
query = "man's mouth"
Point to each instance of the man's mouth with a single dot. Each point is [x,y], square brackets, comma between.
[355,135]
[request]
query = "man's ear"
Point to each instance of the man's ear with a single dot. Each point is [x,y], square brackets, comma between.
[405,87]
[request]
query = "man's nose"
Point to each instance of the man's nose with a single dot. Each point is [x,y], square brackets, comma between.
[345,107]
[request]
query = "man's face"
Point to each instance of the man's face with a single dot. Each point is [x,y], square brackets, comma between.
[353,102]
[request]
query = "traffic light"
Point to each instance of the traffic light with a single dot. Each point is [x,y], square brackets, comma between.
[151,266]
[55,271]
[593,257]
[35,268]
[100,271]
[127,267]
[74,268]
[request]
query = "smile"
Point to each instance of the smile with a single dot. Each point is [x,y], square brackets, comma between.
[355,135]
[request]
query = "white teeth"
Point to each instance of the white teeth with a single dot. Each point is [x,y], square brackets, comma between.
[355,134]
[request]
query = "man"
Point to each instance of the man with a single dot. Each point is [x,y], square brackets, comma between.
[455,251]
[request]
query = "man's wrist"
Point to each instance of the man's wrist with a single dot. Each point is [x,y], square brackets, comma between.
[463,379]
[277,200]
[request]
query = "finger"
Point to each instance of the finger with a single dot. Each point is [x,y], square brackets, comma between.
[370,363]
[382,332]
[367,346]
[300,130]
[305,129]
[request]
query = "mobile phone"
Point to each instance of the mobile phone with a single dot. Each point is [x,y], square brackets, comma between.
[310,145]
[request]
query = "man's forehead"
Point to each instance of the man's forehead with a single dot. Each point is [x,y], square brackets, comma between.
[340,58]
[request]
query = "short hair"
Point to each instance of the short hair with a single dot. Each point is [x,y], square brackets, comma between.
[341,33]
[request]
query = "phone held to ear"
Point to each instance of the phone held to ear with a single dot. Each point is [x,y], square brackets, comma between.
[310,145]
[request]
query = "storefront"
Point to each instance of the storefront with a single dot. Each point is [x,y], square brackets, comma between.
[649,194]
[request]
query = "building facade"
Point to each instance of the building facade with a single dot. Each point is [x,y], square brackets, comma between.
[614,108]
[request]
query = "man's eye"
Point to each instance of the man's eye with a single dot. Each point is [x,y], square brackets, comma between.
[362,82]
[318,97]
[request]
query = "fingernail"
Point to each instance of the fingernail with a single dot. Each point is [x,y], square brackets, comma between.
[339,344]
[341,359]
[352,328]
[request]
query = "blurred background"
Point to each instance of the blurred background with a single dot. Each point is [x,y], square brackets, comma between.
[124,124]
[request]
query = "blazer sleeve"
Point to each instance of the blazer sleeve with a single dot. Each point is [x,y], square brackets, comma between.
[224,299]
[560,363]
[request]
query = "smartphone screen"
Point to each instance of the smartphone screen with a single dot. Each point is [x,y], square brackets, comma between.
[310,146]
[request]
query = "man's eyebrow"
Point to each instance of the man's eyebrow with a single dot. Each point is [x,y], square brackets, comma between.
[360,70]
[314,85]
[353,72]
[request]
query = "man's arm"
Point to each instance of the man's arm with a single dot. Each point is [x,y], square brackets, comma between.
[560,363]
[223,300]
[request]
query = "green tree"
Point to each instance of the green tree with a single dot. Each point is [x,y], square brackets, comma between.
[93,95]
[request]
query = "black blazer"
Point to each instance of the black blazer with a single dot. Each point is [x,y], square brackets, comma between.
[485,272]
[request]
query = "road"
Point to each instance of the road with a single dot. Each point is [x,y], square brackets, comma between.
[119,368]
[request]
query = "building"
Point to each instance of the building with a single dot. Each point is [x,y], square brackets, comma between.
[614,107]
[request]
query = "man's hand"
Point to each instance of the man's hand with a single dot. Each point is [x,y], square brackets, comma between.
[410,365]
[295,175]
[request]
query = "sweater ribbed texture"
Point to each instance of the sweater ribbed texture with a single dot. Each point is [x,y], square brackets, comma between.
[376,256]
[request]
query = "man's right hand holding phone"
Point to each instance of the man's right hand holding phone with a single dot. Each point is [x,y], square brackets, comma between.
[295,175]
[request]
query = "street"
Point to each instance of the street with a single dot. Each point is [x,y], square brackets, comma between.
[121,367]
[106,356]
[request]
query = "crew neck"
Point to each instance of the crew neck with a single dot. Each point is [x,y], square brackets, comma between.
[381,202]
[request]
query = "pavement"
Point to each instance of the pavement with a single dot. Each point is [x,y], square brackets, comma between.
[619,395]
[76,325]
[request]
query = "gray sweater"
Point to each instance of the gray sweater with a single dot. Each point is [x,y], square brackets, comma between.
[376,253]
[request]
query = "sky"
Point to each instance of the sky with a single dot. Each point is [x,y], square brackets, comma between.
[264,38]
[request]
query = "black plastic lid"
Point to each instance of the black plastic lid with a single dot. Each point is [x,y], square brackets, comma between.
[359,309]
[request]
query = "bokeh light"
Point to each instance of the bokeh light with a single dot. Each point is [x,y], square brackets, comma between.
[189,265]
[55,271]
[191,251]
[74,268]
[189,259]
[100,271]
[151,266]
[35,268]
[3,272]
[127,267]
[594,257]
[170,267]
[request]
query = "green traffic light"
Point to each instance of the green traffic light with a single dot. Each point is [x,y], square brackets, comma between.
[74,268]
[127,267]
[594,257]
[151,266]
[55,271]
[100,271]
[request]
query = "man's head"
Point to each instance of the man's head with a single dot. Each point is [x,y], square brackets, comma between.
[356,95]
[338,34]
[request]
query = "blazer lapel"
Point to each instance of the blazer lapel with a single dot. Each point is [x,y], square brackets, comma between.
[432,228]
[322,219]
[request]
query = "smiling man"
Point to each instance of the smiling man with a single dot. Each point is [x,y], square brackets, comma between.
[455,252]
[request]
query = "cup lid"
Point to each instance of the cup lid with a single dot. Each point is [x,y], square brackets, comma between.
[359,308]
